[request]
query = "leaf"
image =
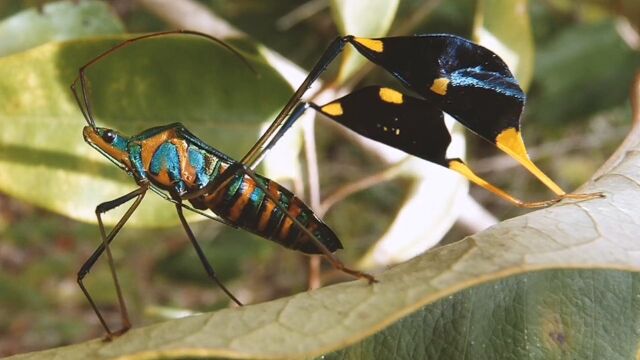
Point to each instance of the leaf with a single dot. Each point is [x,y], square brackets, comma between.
[555,313]
[57,21]
[540,315]
[363,18]
[43,158]
[504,27]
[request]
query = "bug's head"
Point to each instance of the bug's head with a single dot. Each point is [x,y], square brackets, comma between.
[109,143]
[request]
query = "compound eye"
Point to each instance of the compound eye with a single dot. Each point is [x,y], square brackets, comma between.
[109,137]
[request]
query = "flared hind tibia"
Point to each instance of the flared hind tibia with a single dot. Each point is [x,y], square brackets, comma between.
[510,141]
[461,168]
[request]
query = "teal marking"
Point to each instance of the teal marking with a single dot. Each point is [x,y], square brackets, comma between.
[135,156]
[196,159]
[166,158]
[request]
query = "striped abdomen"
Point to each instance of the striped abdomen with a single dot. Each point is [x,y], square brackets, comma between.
[244,204]
[177,161]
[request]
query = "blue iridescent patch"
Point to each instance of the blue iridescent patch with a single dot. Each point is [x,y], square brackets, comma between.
[196,159]
[479,78]
[166,157]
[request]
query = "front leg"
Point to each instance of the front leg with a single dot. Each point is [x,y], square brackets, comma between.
[138,194]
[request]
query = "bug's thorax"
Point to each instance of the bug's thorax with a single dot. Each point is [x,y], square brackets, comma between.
[169,160]
[109,143]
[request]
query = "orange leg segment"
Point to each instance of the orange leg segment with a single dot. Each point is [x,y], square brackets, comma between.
[510,141]
[464,170]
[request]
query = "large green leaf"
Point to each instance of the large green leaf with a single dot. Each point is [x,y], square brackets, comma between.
[62,20]
[43,158]
[540,315]
[552,314]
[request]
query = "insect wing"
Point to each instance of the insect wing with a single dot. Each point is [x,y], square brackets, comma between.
[466,80]
[390,117]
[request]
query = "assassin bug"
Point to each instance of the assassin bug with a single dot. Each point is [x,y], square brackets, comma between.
[173,162]
[449,74]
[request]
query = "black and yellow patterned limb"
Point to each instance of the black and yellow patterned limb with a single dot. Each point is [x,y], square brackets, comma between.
[510,141]
[461,168]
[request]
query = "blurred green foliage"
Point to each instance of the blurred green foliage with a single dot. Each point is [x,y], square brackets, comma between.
[583,68]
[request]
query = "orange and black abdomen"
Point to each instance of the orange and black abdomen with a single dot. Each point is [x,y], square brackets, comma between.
[245,205]
[177,161]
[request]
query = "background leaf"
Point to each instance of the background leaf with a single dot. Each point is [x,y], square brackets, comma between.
[58,21]
[560,69]
[213,87]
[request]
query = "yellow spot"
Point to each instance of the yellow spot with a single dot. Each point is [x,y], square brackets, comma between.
[397,131]
[384,128]
[334,109]
[439,86]
[510,141]
[371,44]
[391,96]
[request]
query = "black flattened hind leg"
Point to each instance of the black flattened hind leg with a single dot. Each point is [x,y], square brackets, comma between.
[461,168]
[409,124]
[392,118]
[491,104]
[203,259]
[138,194]
[510,141]
[465,80]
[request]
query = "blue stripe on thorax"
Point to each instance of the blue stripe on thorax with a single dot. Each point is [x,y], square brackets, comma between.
[166,158]
[135,156]
[197,161]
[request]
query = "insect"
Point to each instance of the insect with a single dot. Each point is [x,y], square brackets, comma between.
[175,163]
[449,74]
